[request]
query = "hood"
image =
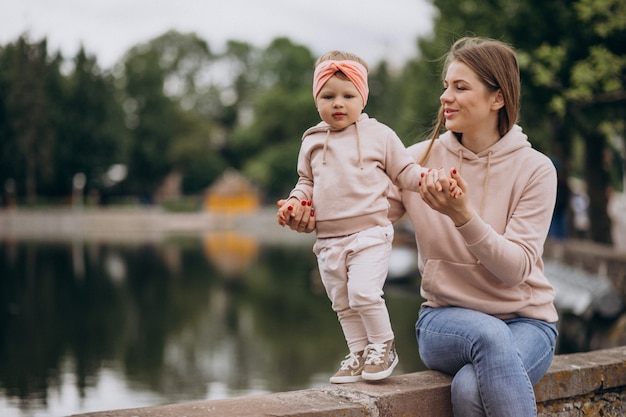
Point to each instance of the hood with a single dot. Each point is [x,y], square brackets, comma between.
[325,127]
[514,140]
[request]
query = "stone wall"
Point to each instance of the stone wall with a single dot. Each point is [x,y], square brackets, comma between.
[577,385]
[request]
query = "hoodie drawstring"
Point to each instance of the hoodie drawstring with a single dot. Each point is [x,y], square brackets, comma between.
[358,145]
[325,147]
[485,185]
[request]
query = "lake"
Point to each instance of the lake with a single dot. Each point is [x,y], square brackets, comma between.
[90,325]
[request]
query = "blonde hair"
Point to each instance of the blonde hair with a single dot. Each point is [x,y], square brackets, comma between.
[341,56]
[496,66]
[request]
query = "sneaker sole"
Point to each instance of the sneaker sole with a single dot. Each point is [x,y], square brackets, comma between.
[345,379]
[377,376]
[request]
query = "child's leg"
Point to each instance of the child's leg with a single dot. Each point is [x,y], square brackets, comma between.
[331,258]
[368,265]
[367,272]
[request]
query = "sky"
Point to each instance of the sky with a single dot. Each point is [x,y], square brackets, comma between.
[373,30]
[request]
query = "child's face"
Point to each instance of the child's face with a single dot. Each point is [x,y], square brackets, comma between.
[339,103]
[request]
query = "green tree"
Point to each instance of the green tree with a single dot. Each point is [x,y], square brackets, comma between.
[194,154]
[28,111]
[283,108]
[150,117]
[8,144]
[581,77]
[92,134]
[171,102]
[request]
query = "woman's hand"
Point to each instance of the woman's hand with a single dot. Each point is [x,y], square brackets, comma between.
[301,220]
[440,192]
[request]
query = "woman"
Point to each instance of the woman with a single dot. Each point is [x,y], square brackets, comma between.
[488,318]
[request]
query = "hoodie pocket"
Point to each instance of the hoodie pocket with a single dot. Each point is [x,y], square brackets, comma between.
[471,286]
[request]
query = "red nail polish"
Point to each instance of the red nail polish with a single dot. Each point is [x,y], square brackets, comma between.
[303,202]
[419,184]
[422,175]
[289,208]
[454,171]
[312,213]
[310,203]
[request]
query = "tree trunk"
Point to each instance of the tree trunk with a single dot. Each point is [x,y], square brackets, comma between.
[597,183]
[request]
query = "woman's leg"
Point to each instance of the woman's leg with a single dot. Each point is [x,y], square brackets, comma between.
[482,352]
[535,341]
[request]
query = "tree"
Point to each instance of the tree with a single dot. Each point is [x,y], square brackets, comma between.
[282,109]
[92,134]
[582,77]
[28,112]
[165,85]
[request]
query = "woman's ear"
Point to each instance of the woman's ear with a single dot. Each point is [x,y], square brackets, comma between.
[498,100]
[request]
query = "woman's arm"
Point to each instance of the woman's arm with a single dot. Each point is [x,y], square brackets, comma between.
[511,255]
[435,191]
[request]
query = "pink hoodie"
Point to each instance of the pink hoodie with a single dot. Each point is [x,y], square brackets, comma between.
[492,263]
[346,172]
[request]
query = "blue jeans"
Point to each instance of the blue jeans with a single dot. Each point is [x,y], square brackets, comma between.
[495,362]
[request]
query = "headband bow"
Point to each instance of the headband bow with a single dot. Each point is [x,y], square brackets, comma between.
[352,69]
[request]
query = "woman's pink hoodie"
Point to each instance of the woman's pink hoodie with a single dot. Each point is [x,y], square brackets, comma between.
[493,263]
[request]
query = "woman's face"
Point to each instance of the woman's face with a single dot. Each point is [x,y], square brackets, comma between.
[339,103]
[469,107]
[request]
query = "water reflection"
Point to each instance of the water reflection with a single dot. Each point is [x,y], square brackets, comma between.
[88,326]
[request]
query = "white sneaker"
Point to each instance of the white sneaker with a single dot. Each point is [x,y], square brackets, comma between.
[350,370]
[381,360]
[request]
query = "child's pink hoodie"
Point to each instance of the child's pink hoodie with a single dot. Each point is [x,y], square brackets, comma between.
[346,173]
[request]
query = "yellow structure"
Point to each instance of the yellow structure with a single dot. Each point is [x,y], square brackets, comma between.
[230,252]
[231,194]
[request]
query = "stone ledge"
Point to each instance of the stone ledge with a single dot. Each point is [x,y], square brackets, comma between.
[583,373]
[581,384]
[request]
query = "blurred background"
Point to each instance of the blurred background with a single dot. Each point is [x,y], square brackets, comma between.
[127,277]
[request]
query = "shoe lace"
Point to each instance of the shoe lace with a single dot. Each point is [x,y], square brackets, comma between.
[351,361]
[375,353]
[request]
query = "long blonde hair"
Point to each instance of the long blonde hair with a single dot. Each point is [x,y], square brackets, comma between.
[496,66]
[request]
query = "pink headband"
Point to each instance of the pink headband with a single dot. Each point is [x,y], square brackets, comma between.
[352,69]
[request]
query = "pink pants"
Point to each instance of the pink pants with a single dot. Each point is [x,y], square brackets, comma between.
[353,270]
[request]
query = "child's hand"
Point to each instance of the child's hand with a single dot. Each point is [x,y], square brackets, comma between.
[431,174]
[286,210]
[439,177]
[300,217]
[291,209]
[455,190]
